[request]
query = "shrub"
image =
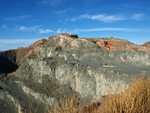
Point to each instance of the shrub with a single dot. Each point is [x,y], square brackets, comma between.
[75,36]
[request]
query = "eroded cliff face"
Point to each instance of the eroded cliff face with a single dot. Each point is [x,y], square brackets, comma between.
[83,65]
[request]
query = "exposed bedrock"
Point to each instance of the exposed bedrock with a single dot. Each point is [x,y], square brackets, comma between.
[81,64]
[87,81]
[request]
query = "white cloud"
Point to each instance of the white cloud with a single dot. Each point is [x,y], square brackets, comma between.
[33,29]
[108,18]
[107,29]
[62,31]
[45,31]
[18,41]
[139,16]
[18,18]
[24,28]
[100,17]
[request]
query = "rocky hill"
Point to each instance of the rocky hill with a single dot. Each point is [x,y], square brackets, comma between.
[63,66]
[9,60]
[17,55]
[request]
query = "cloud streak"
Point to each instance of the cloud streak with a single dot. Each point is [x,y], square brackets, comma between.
[45,31]
[108,18]
[17,41]
[18,18]
[107,29]
[60,30]
[29,29]
[33,29]
[103,17]
[100,17]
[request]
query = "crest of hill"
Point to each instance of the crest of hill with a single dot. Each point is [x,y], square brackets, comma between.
[34,48]
[122,45]
[147,44]
[61,40]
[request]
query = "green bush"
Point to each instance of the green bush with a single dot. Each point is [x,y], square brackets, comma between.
[75,36]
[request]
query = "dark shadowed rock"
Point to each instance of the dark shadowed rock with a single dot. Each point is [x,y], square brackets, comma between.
[7,66]
[10,55]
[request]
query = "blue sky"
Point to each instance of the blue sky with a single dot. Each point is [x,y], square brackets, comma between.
[23,22]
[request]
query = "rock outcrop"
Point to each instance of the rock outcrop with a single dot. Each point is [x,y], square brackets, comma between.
[82,65]
[63,65]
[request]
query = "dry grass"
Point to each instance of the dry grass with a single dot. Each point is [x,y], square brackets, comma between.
[65,105]
[134,100]
[12,73]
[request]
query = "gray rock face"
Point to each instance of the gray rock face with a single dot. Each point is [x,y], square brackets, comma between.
[88,69]
[86,80]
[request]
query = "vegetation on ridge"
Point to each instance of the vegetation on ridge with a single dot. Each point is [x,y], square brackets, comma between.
[75,36]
